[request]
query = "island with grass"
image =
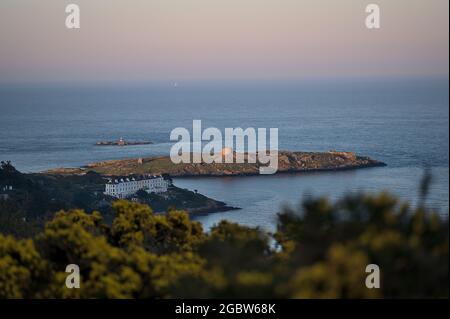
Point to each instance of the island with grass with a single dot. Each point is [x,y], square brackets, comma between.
[288,162]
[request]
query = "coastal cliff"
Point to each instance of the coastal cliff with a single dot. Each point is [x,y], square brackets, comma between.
[288,162]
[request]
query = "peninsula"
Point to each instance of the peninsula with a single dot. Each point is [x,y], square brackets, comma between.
[33,198]
[288,162]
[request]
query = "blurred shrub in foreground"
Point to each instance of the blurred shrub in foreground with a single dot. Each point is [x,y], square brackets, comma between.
[321,250]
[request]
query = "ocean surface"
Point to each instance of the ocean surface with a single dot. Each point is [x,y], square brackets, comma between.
[404,123]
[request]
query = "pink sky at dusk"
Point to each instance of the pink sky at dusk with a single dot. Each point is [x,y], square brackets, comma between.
[178,40]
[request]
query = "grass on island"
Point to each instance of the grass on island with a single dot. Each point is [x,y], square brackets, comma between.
[287,162]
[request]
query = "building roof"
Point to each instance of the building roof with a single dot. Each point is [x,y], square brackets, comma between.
[128,179]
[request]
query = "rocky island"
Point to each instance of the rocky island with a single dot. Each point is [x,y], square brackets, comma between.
[122,142]
[288,162]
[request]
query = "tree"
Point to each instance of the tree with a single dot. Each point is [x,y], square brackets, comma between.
[319,250]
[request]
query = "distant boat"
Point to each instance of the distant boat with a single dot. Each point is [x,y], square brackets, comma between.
[122,142]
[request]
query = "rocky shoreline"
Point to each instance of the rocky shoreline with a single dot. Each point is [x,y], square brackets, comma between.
[288,162]
[216,208]
[194,203]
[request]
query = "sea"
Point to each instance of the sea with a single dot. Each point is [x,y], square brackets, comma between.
[402,122]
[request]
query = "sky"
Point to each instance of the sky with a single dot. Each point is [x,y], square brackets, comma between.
[183,40]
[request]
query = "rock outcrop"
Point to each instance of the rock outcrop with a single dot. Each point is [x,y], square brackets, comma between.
[287,162]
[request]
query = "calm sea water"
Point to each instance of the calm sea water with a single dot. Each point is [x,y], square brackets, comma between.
[403,123]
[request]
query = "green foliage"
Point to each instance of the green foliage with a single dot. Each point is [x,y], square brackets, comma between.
[135,224]
[22,269]
[319,250]
[14,222]
[7,172]
[410,246]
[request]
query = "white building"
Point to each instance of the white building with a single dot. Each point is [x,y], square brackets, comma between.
[125,187]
